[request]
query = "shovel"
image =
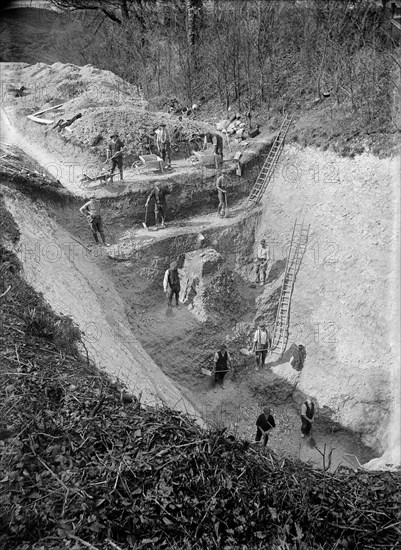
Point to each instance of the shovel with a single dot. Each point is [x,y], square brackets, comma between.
[311,442]
[146,219]
[225,210]
[207,372]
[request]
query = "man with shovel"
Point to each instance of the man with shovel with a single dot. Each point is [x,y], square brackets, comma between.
[264,423]
[222,364]
[91,210]
[159,194]
[114,153]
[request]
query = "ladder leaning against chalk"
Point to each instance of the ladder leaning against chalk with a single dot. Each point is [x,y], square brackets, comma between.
[269,165]
[299,241]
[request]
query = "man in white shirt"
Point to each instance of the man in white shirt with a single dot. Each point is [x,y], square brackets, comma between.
[91,209]
[171,285]
[262,262]
[163,143]
[261,344]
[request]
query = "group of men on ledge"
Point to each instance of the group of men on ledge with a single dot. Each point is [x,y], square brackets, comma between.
[116,147]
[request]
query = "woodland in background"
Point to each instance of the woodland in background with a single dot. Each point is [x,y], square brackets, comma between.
[280,55]
[275,54]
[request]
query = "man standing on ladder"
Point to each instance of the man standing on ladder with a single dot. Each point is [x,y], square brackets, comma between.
[262,262]
[261,344]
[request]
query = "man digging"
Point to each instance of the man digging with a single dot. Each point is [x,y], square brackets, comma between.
[264,423]
[159,194]
[222,364]
[114,153]
[91,210]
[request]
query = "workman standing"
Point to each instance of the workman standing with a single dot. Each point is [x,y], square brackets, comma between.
[216,140]
[163,143]
[222,364]
[114,153]
[262,262]
[91,210]
[222,194]
[171,285]
[261,344]
[159,194]
[264,423]
[307,417]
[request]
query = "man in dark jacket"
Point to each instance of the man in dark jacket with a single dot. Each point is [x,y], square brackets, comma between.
[171,285]
[307,417]
[222,364]
[114,153]
[159,194]
[264,423]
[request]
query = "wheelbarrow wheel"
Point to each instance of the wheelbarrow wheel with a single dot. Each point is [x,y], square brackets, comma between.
[136,167]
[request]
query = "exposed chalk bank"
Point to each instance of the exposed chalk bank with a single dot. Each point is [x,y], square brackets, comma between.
[73,284]
[345,305]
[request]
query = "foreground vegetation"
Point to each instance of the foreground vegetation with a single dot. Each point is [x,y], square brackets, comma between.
[84,465]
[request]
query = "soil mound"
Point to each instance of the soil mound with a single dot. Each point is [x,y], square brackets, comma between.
[106,102]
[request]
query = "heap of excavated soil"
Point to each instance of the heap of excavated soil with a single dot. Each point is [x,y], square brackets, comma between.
[107,103]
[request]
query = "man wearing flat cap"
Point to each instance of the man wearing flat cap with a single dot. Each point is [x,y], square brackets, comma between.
[159,193]
[171,285]
[163,143]
[261,344]
[114,153]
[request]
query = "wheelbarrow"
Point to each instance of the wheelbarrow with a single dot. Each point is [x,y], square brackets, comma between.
[148,162]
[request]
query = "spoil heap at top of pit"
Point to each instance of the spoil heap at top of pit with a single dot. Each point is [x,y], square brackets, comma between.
[107,103]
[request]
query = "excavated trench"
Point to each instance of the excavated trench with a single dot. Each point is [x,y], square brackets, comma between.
[221,302]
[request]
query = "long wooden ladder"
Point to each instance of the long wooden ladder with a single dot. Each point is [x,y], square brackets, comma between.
[269,165]
[298,244]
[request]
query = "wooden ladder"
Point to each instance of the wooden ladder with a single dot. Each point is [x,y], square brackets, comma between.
[299,241]
[269,165]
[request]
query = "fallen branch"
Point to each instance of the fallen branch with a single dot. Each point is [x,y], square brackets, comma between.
[4,293]
[87,544]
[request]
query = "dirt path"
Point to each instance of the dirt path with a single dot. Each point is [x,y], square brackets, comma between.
[174,340]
